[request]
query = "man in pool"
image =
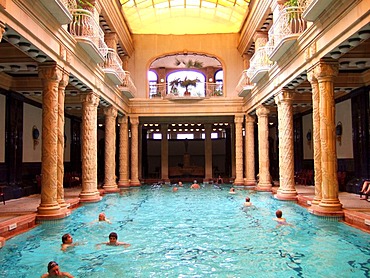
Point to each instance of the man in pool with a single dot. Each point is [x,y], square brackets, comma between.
[195,185]
[113,241]
[54,271]
[247,202]
[280,219]
[67,241]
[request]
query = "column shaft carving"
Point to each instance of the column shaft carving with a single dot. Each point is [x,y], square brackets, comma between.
[50,75]
[164,153]
[287,189]
[208,152]
[110,184]
[325,73]
[264,183]
[123,152]
[316,136]
[134,151]
[89,192]
[249,151]
[61,122]
[239,150]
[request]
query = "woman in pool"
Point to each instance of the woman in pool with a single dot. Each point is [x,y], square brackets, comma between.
[54,271]
[195,185]
[103,218]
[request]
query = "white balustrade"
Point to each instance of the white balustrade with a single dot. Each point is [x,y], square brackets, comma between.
[259,63]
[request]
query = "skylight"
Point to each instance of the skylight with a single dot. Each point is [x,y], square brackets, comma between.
[180,17]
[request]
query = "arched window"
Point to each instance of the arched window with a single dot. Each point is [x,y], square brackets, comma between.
[153,80]
[186,82]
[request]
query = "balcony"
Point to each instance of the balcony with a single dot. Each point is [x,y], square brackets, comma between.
[260,64]
[313,8]
[285,31]
[60,9]
[128,87]
[176,92]
[88,34]
[112,67]
[244,86]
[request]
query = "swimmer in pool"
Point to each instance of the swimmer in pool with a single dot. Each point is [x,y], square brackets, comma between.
[232,190]
[54,271]
[103,218]
[195,185]
[67,241]
[280,219]
[113,241]
[247,202]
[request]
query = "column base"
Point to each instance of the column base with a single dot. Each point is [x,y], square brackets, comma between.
[264,187]
[238,182]
[286,195]
[123,183]
[250,183]
[90,197]
[135,183]
[51,211]
[111,188]
[317,210]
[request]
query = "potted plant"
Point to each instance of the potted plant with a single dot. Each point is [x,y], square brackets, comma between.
[174,84]
[188,82]
[295,20]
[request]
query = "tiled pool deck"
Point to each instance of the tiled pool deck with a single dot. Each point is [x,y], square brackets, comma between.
[19,215]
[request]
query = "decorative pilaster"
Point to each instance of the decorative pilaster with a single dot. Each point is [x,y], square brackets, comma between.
[50,75]
[208,152]
[110,184]
[325,73]
[250,170]
[164,153]
[123,152]
[60,172]
[316,136]
[89,138]
[239,149]
[134,151]
[264,183]
[287,189]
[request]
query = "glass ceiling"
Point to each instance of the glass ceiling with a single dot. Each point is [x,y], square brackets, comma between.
[180,17]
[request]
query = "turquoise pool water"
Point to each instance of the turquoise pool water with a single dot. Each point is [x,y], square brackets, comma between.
[191,233]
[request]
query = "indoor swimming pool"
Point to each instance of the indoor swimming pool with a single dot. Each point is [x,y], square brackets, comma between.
[191,233]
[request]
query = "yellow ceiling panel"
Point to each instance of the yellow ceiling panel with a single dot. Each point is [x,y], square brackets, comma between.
[184,16]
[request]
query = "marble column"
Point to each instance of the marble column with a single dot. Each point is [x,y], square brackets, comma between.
[287,189]
[208,153]
[316,136]
[325,73]
[89,138]
[164,153]
[2,30]
[50,75]
[110,184]
[60,164]
[123,152]
[250,170]
[264,183]
[239,150]
[134,151]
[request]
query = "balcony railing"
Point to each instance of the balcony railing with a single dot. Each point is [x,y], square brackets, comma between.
[259,64]
[313,8]
[88,34]
[128,87]
[285,31]
[202,90]
[244,86]
[60,9]
[112,67]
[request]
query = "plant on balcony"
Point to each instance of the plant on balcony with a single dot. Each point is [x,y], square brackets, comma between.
[174,84]
[297,23]
[189,64]
[188,82]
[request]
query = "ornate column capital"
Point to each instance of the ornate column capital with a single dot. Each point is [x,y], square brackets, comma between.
[239,119]
[249,119]
[90,98]
[110,112]
[311,77]
[122,120]
[326,69]
[285,96]
[262,111]
[50,71]
[134,120]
